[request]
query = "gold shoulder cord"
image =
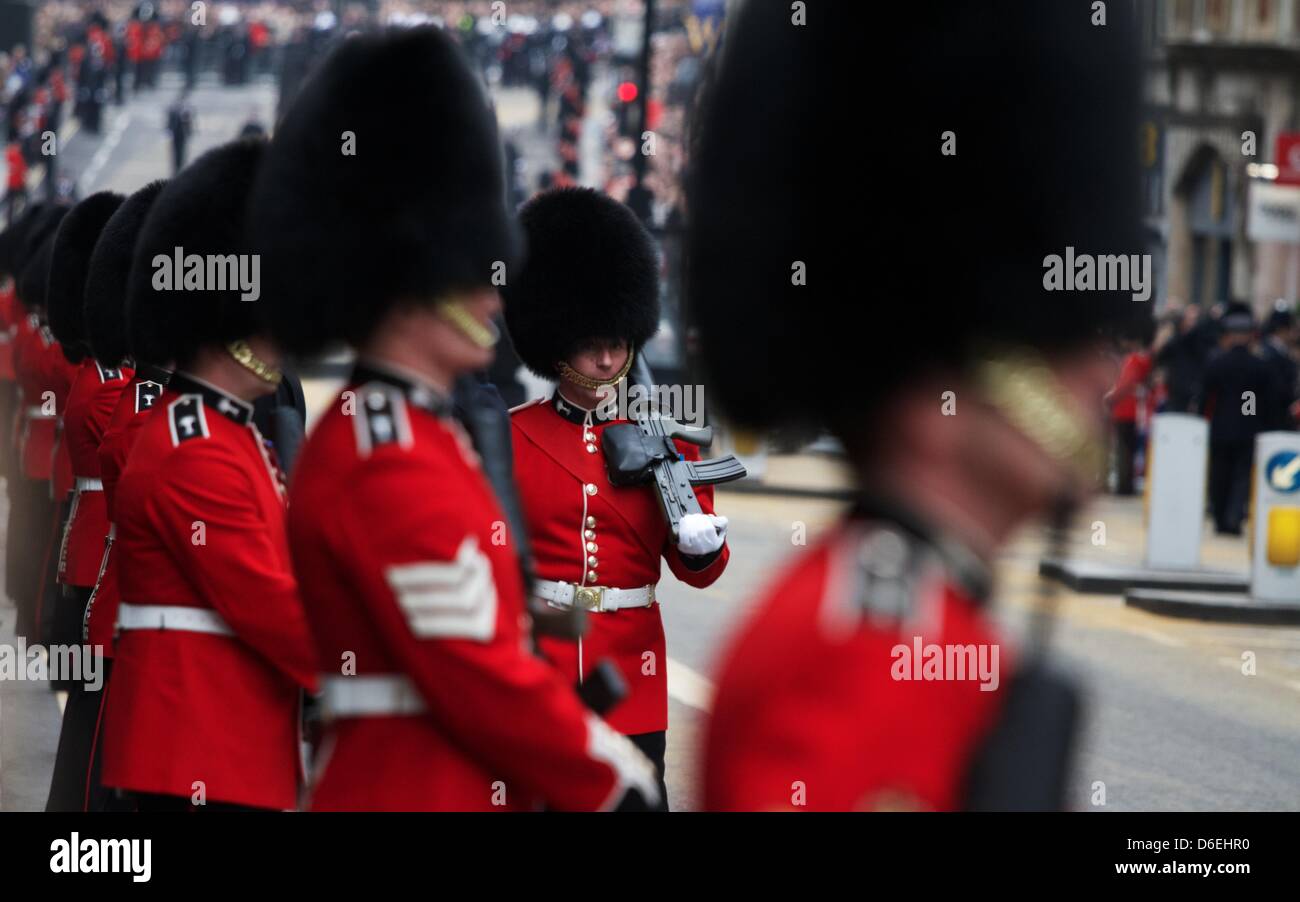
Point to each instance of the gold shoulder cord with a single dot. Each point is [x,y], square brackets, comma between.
[245,357]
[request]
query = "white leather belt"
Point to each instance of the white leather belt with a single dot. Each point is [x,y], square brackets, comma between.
[593,598]
[369,696]
[171,617]
[37,412]
[89,485]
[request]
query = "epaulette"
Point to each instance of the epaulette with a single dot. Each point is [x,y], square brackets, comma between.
[527,404]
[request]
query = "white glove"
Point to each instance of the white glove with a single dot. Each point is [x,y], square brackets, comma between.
[701,534]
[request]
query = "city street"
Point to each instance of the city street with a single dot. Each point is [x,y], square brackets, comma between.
[1172,723]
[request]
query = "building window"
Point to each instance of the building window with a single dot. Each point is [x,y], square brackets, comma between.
[1262,20]
[1218,17]
[1180,15]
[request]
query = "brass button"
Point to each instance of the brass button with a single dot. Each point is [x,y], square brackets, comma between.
[589,534]
[589,437]
[591,522]
[591,575]
[591,449]
[591,547]
[591,488]
[591,561]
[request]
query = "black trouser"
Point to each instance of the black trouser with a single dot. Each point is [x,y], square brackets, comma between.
[1230,482]
[67,616]
[76,783]
[178,155]
[49,597]
[653,746]
[1126,440]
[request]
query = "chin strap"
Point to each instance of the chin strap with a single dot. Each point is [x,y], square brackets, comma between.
[244,356]
[577,378]
[1025,391]
[485,336]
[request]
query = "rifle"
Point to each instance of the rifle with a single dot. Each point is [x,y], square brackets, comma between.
[643,451]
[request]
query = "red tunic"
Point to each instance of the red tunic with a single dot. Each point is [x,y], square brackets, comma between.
[45,377]
[811,712]
[128,416]
[90,405]
[200,524]
[9,316]
[395,533]
[554,470]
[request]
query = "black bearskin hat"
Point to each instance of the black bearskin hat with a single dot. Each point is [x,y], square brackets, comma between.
[352,215]
[110,270]
[38,242]
[69,261]
[201,212]
[13,241]
[1009,138]
[592,272]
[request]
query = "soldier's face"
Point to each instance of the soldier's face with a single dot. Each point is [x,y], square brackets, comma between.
[599,358]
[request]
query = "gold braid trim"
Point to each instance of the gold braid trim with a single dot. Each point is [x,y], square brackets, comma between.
[577,378]
[245,357]
[1025,391]
[483,336]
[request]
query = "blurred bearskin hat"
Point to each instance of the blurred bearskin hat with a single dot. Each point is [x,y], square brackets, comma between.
[415,213]
[69,263]
[13,241]
[915,258]
[592,271]
[201,211]
[109,274]
[38,242]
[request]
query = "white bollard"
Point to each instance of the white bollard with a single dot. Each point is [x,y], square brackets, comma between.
[1175,493]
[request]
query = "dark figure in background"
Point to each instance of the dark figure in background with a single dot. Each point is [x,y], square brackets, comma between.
[180,122]
[190,57]
[1241,401]
[1277,347]
[1183,358]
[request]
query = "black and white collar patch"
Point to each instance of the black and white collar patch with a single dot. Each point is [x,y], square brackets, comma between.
[416,393]
[186,419]
[575,414]
[108,374]
[381,418]
[230,407]
[146,393]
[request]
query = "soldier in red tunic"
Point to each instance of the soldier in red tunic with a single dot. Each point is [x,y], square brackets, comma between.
[870,674]
[106,332]
[45,377]
[432,696]
[579,312]
[110,269]
[91,400]
[213,651]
